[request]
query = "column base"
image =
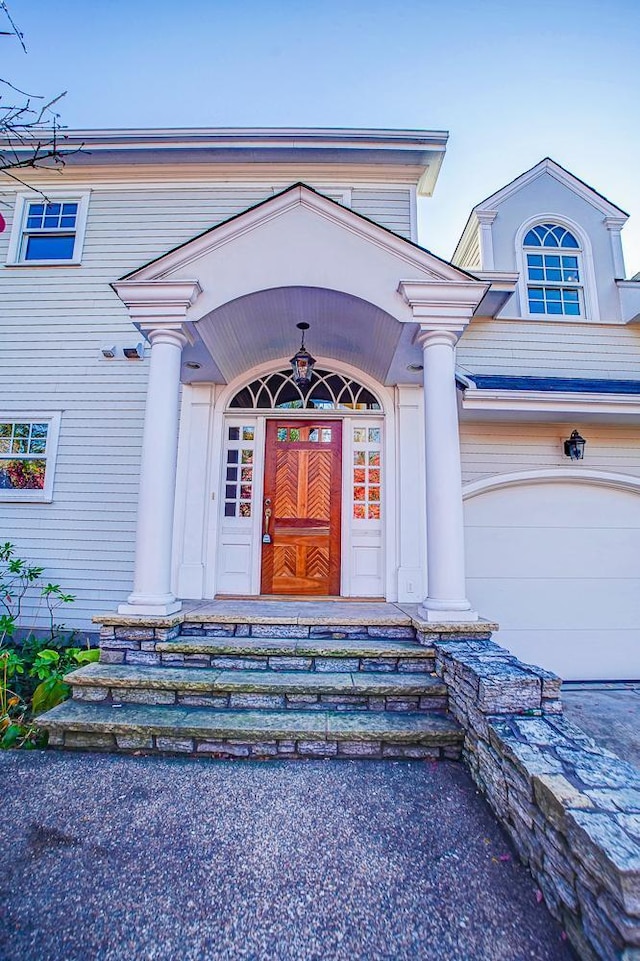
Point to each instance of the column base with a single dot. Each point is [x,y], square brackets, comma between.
[150,605]
[445,612]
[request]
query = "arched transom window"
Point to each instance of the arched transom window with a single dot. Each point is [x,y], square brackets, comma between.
[554,283]
[328,391]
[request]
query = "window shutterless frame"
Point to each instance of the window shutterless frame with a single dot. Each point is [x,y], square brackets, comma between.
[557,280]
[48,230]
[28,450]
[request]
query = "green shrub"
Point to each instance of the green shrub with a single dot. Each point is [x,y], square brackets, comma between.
[32,672]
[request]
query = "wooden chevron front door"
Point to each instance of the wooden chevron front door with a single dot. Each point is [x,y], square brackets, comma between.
[301,510]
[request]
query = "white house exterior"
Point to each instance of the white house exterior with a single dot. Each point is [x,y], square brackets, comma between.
[153,447]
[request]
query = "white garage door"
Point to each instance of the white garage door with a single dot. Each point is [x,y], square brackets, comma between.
[557,564]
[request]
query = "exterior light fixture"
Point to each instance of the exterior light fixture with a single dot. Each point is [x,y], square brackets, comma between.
[135,352]
[193,365]
[302,363]
[574,446]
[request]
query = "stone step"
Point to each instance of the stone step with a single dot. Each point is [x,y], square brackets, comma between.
[286,734]
[292,690]
[288,654]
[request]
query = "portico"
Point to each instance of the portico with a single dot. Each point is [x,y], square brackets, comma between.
[220,315]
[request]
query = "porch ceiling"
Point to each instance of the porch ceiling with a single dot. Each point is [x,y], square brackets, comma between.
[261,327]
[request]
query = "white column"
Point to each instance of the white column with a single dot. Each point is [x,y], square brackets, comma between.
[446,599]
[152,579]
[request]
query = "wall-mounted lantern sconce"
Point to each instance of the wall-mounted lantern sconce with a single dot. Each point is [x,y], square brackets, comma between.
[302,363]
[574,446]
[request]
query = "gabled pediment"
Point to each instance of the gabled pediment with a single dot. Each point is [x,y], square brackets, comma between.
[301,256]
[298,237]
[549,167]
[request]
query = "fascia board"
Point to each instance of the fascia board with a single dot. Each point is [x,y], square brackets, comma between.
[535,401]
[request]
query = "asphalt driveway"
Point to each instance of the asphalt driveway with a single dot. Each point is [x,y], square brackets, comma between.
[114,858]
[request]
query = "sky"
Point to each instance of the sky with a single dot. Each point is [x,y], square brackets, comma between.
[512,81]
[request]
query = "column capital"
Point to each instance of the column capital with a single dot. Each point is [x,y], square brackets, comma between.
[615,223]
[172,332]
[427,336]
[486,217]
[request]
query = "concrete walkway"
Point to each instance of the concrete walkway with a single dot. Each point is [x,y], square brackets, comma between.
[609,713]
[115,858]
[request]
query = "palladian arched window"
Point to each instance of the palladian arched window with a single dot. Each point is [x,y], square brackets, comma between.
[554,271]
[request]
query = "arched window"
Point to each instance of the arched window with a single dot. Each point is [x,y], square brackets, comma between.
[554,271]
[328,391]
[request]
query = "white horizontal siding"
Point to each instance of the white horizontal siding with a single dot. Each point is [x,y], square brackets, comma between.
[490,449]
[552,350]
[391,208]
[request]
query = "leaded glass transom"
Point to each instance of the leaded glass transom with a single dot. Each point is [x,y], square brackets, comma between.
[328,391]
[550,235]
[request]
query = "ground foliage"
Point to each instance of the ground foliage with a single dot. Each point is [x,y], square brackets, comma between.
[32,670]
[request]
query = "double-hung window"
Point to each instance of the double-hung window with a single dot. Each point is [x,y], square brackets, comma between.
[554,282]
[48,230]
[27,456]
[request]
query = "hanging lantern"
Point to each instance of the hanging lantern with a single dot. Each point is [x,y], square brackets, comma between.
[302,363]
[574,446]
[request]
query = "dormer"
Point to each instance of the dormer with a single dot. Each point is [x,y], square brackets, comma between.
[563,240]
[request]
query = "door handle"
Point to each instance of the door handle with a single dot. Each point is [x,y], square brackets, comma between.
[266,536]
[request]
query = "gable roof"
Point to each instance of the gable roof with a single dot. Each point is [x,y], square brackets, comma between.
[564,176]
[264,209]
[545,166]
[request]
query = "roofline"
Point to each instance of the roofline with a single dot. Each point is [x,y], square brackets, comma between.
[549,164]
[422,150]
[242,135]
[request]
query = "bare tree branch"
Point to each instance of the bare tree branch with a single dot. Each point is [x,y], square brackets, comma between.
[14,28]
[29,129]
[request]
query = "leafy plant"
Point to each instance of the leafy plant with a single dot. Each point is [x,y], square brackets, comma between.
[32,673]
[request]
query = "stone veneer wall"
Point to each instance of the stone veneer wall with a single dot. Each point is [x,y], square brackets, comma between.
[571,808]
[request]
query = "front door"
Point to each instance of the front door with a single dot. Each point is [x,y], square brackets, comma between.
[301,509]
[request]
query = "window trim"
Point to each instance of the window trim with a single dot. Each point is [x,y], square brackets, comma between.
[23,199]
[587,287]
[52,418]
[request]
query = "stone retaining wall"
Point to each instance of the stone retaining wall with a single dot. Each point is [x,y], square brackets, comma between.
[571,808]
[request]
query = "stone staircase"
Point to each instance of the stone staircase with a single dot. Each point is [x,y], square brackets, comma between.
[204,689]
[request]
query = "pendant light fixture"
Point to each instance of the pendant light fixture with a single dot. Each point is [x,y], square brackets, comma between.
[302,363]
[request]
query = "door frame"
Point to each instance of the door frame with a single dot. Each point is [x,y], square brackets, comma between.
[199,534]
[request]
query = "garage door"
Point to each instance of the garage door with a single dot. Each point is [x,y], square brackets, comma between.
[557,564]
